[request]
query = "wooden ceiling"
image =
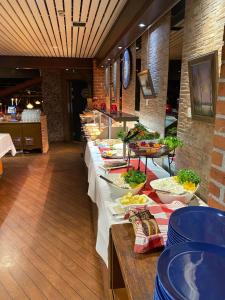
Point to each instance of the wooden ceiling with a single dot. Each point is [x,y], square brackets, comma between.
[37,28]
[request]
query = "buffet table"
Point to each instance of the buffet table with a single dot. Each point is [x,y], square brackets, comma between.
[136,272]
[100,193]
[6,145]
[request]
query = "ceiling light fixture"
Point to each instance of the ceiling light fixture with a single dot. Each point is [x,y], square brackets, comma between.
[67,69]
[37,102]
[120,47]
[109,59]
[30,106]
[141,25]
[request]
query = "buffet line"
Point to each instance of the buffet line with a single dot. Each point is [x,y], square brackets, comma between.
[120,186]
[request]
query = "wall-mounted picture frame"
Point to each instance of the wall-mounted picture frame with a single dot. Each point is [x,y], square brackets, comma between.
[146,84]
[203,86]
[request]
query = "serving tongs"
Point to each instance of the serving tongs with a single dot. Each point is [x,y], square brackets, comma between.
[168,192]
[111,182]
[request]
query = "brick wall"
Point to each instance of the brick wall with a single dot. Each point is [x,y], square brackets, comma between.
[203,33]
[98,83]
[155,57]
[217,173]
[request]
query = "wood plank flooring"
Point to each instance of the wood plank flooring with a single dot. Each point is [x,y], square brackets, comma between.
[47,244]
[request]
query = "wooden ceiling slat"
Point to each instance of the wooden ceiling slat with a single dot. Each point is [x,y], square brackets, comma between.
[48,25]
[12,49]
[10,40]
[81,31]
[76,17]
[15,22]
[5,47]
[54,21]
[107,23]
[62,29]
[104,22]
[12,28]
[90,21]
[68,21]
[33,37]
[25,6]
[40,22]
[34,27]
[96,25]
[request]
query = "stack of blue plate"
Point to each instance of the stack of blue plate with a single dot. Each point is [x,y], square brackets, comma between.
[197,224]
[191,271]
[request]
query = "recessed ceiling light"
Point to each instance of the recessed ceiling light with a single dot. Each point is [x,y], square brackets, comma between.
[102,66]
[109,58]
[17,68]
[120,47]
[67,69]
[141,25]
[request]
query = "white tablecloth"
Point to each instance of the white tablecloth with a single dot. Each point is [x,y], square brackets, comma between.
[6,144]
[99,192]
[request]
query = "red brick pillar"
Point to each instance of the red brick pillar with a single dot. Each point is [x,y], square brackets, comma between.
[217,174]
[98,83]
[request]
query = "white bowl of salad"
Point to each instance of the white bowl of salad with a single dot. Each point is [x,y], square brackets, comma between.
[181,187]
[132,181]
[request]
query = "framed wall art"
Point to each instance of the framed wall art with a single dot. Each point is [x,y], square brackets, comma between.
[146,84]
[203,86]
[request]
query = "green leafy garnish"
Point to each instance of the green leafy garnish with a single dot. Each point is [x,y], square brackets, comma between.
[188,175]
[138,133]
[172,142]
[134,177]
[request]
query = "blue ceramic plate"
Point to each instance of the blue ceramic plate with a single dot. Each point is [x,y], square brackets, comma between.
[198,223]
[192,271]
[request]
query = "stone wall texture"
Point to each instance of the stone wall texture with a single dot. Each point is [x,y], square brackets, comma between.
[53,103]
[203,33]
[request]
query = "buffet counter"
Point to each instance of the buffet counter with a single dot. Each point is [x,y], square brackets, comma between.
[27,135]
[136,273]
[100,193]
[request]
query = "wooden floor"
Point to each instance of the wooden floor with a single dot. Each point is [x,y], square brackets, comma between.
[47,247]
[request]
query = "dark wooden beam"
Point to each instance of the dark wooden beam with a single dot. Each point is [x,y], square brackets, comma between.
[45,62]
[126,30]
[20,86]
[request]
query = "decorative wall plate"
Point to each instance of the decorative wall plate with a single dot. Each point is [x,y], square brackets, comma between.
[126,68]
